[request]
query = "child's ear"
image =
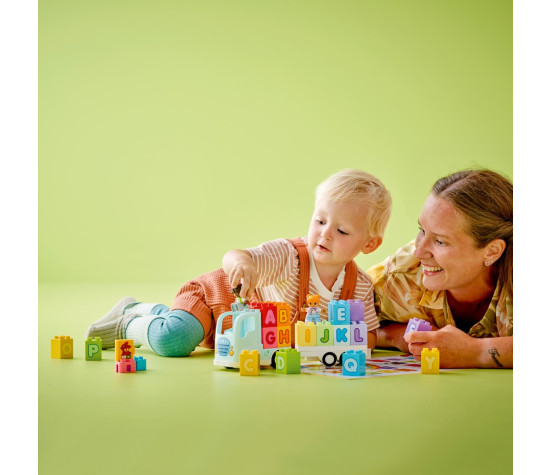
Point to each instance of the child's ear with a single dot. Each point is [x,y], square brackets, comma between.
[372,244]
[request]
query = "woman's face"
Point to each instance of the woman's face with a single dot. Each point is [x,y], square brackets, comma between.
[450,258]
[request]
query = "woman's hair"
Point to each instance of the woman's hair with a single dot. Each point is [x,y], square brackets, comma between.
[485,198]
[363,188]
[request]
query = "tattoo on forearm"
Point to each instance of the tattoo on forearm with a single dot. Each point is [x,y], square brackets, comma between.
[495,354]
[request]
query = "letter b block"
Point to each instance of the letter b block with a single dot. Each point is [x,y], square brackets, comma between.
[305,334]
[288,361]
[249,363]
[430,361]
[62,347]
[92,349]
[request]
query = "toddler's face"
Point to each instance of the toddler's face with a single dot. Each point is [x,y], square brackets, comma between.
[337,232]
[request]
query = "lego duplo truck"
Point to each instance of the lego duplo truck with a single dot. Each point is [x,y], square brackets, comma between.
[266,327]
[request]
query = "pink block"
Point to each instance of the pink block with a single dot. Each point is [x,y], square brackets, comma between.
[126,366]
[269,337]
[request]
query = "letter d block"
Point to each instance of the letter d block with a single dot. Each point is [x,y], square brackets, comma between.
[430,361]
[92,349]
[288,361]
[339,312]
[342,335]
[249,363]
[353,363]
[305,334]
[324,333]
[358,333]
[62,347]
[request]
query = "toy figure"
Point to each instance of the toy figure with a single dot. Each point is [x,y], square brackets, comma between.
[125,351]
[313,311]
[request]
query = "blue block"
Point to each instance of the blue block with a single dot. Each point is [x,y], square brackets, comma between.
[341,335]
[339,312]
[140,363]
[353,363]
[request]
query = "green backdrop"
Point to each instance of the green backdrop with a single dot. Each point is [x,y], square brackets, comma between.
[171,131]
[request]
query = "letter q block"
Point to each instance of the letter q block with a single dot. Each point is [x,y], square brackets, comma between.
[62,347]
[353,363]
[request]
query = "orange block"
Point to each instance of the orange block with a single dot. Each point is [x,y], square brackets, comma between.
[124,349]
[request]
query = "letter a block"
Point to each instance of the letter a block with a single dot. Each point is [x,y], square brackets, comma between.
[249,363]
[430,361]
[324,333]
[305,334]
[62,347]
[288,361]
[353,363]
[92,349]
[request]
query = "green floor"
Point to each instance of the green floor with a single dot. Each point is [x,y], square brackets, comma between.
[183,415]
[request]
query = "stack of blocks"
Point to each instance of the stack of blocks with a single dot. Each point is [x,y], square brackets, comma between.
[353,363]
[62,347]
[126,362]
[345,326]
[288,361]
[275,319]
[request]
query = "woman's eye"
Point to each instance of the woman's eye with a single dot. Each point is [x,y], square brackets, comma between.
[421,230]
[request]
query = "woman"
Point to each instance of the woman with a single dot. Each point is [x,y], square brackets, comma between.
[458,275]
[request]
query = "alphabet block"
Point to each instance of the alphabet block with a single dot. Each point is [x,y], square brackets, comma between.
[283,336]
[92,349]
[283,314]
[358,333]
[288,361]
[324,333]
[305,334]
[125,366]
[357,308]
[342,335]
[339,312]
[269,337]
[268,315]
[62,347]
[353,363]
[430,361]
[124,350]
[141,363]
[417,325]
[249,363]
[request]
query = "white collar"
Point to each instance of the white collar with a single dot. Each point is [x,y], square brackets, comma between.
[320,288]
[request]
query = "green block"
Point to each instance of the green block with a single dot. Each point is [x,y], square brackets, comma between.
[288,361]
[92,349]
[324,333]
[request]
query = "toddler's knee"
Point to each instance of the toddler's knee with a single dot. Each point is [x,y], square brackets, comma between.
[175,334]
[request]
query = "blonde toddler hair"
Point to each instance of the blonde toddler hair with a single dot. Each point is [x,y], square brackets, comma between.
[362,188]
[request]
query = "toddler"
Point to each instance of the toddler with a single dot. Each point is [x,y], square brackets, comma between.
[351,212]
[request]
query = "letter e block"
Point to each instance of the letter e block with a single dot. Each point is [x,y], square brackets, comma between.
[249,363]
[339,312]
[62,347]
[430,361]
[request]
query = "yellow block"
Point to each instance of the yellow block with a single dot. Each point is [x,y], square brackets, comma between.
[62,347]
[249,363]
[305,334]
[430,361]
[124,346]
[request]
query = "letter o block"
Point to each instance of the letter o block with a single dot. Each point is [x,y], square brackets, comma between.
[62,347]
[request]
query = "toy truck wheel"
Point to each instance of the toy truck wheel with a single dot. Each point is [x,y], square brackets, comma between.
[273,362]
[329,359]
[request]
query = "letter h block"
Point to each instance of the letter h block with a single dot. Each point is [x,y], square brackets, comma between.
[430,361]
[92,349]
[305,334]
[339,312]
[249,363]
[288,361]
[353,363]
[62,347]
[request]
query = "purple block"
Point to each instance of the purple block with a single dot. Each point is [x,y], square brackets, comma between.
[418,325]
[356,310]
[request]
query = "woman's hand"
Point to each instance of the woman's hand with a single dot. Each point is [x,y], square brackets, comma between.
[459,350]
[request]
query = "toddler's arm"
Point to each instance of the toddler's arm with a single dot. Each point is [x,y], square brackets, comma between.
[240,268]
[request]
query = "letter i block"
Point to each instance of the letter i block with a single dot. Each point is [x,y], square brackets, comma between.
[283,336]
[357,308]
[62,347]
[339,312]
[358,333]
[288,361]
[353,363]
[324,333]
[124,350]
[341,336]
[249,363]
[269,337]
[141,363]
[430,361]
[283,314]
[92,349]
[305,334]
[125,366]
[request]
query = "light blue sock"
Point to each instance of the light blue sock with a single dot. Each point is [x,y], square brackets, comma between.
[167,333]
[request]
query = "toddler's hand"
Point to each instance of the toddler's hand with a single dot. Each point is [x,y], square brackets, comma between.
[244,273]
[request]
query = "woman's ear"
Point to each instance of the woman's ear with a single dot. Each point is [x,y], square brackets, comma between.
[372,244]
[494,250]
